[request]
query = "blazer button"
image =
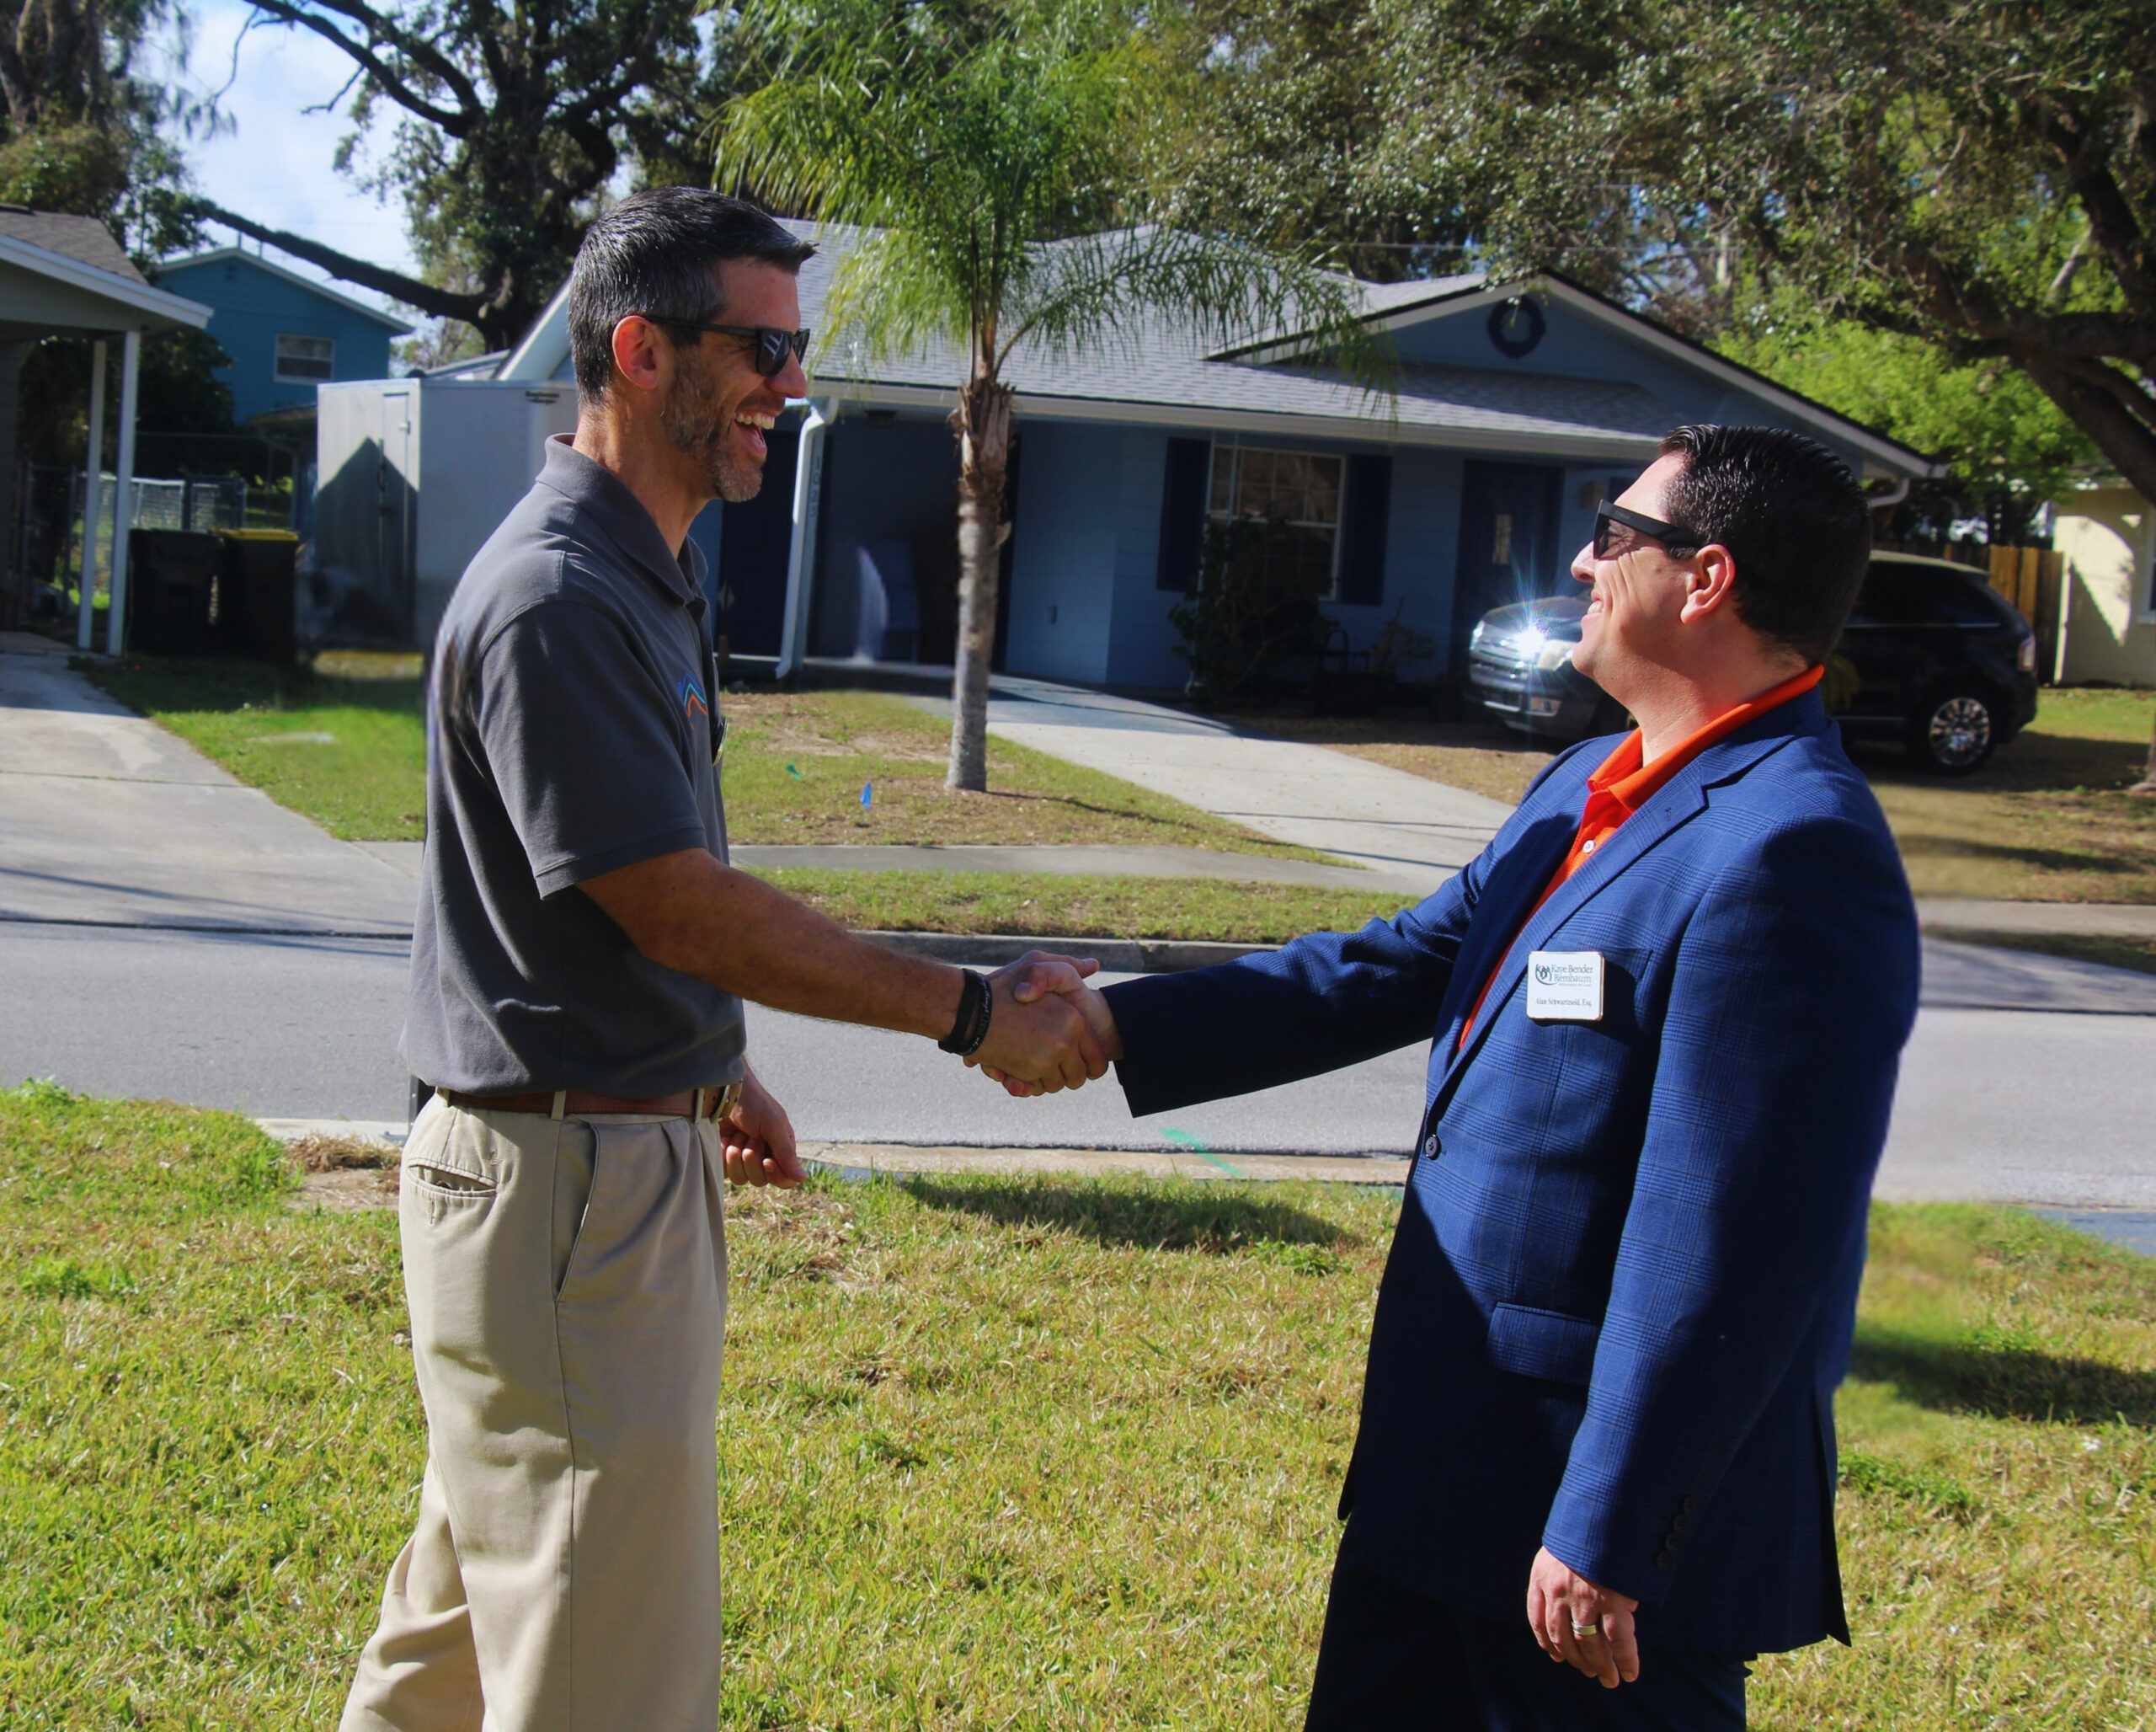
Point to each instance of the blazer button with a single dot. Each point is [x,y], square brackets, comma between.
[1432,1147]
[1666,1558]
[1681,1520]
[1691,1504]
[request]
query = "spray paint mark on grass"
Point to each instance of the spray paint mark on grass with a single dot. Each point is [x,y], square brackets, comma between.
[1183,1139]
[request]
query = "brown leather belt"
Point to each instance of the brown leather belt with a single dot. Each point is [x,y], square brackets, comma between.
[577,1103]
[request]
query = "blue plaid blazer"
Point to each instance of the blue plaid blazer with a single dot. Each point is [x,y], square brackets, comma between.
[1624,1283]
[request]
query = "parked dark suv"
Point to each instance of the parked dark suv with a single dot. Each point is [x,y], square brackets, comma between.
[1938,659]
[1933,656]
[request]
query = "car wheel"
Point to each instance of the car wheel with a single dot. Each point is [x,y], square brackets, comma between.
[1954,731]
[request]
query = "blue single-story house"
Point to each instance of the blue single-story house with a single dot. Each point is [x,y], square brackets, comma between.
[1517,407]
[285,334]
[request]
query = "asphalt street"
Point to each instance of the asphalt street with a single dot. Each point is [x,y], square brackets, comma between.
[2013,1105]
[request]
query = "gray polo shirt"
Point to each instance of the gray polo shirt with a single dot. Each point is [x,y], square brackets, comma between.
[572,730]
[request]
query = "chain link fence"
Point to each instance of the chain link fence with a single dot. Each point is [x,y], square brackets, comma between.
[49,538]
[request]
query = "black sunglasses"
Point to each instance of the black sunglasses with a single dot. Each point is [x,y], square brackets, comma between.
[1670,535]
[773,344]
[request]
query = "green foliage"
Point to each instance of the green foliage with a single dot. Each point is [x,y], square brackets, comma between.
[1247,614]
[994,146]
[2005,438]
[512,122]
[1977,177]
[82,131]
[76,169]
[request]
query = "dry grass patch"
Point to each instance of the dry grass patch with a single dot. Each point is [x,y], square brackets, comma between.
[2046,820]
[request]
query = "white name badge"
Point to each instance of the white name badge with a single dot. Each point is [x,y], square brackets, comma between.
[1564,986]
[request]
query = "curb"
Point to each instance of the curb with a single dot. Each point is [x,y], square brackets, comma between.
[1117,956]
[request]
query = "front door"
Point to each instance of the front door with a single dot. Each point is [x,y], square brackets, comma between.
[1507,544]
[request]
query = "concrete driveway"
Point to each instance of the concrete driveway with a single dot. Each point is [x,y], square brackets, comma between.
[106,820]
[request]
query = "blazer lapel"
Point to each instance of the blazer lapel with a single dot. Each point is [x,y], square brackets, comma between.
[1674,805]
[1506,898]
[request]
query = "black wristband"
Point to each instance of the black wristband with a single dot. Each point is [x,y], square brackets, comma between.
[975,1004]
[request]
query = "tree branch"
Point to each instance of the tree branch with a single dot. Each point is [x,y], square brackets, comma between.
[441,303]
[456,122]
[2128,442]
[2112,225]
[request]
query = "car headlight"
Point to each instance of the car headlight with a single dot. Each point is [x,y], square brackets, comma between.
[1555,653]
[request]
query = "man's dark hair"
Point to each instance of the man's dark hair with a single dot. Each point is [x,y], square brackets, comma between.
[654,253]
[1794,517]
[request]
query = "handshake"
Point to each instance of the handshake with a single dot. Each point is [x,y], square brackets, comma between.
[1048,1030]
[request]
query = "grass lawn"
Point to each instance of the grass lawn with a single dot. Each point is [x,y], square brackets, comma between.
[997,1454]
[1078,908]
[346,746]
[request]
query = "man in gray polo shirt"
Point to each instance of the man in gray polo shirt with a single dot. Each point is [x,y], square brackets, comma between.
[581,954]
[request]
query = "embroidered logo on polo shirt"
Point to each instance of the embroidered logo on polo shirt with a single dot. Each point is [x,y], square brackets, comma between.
[691,694]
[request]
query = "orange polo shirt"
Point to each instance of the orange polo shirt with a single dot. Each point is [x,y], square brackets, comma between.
[1624,784]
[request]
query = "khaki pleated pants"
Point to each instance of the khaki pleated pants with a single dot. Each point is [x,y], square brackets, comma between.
[567,1281]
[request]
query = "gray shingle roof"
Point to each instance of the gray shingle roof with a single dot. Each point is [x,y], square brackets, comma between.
[1160,365]
[84,239]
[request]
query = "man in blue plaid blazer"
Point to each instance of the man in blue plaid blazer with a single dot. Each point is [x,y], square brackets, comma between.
[1668,1003]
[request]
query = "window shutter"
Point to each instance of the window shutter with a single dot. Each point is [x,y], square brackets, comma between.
[1365,512]
[1183,513]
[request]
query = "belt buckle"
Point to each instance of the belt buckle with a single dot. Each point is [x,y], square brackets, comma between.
[722,1100]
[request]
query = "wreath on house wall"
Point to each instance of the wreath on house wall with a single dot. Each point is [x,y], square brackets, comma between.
[1517,326]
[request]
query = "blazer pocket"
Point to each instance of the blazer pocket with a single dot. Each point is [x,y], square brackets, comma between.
[1543,1343]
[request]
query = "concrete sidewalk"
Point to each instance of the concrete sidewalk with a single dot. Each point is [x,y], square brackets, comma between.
[1409,832]
[112,821]
[2110,920]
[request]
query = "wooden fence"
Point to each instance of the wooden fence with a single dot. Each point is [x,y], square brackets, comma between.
[2030,578]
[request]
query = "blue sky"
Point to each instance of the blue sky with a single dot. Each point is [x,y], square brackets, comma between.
[275,162]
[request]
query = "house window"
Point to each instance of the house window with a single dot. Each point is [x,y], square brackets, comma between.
[1298,494]
[305,360]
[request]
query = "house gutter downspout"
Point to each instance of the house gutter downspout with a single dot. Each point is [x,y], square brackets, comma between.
[800,557]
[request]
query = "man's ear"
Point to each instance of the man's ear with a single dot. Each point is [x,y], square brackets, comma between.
[1710,583]
[642,356]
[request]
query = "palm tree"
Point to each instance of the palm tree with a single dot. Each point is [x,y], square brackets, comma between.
[989,150]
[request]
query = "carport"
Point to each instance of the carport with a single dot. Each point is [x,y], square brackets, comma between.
[66,277]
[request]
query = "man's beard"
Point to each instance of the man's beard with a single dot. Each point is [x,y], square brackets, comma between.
[692,420]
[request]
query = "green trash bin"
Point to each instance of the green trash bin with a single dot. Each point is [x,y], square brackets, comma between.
[172,590]
[258,592]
